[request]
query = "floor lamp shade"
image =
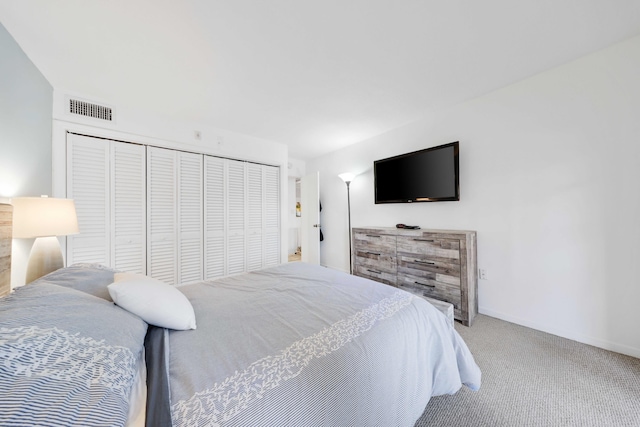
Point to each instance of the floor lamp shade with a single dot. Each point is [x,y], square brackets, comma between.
[43,218]
[347,177]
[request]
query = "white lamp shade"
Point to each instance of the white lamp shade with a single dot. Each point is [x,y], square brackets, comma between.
[43,216]
[347,176]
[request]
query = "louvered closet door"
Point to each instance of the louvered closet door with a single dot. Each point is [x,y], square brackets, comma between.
[235,217]
[190,235]
[88,185]
[128,207]
[254,216]
[271,216]
[214,219]
[162,215]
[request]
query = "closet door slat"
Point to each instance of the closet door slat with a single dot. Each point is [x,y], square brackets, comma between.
[214,220]
[128,207]
[190,207]
[162,216]
[272,216]
[235,218]
[254,209]
[88,185]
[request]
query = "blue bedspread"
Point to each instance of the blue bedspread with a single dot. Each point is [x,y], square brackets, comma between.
[67,358]
[305,345]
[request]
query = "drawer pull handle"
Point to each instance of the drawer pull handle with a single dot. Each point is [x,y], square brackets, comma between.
[422,240]
[373,253]
[373,235]
[417,261]
[424,284]
[374,271]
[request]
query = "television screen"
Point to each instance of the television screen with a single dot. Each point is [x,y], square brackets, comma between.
[429,175]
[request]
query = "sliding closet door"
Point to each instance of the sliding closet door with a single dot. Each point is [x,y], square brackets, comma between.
[190,205]
[214,220]
[162,215]
[106,179]
[254,216]
[128,207]
[88,183]
[174,191]
[271,216]
[236,193]
[242,216]
[179,217]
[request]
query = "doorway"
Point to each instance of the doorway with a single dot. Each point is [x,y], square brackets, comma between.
[294,250]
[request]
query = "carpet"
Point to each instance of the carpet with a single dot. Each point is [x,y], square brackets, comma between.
[531,378]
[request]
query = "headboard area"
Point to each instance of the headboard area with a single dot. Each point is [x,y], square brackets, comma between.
[6,224]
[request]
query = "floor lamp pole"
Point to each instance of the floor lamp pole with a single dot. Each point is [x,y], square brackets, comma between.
[349,211]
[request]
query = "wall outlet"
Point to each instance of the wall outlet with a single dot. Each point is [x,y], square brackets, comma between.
[482,273]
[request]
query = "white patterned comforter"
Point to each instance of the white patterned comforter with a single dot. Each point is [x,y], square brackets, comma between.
[66,358]
[300,345]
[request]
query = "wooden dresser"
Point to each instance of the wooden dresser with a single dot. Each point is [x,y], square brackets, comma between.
[438,264]
[5,248]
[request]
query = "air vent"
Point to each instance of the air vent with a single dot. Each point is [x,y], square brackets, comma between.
[89,109]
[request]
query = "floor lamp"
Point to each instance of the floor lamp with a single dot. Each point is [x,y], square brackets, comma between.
[43,218]
[347,177]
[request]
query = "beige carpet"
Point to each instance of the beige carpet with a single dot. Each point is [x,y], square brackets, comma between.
[530,378]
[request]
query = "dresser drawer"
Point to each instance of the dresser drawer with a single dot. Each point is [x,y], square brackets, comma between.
[433,289]
[429,246]
[378,260]
[375,274]
[374,242]
[444,270]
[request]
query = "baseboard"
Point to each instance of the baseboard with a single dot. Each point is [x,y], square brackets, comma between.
[607,345]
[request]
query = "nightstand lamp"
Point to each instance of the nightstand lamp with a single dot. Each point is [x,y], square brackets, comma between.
[43,218]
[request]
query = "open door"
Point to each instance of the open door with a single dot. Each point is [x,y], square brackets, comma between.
[310,216]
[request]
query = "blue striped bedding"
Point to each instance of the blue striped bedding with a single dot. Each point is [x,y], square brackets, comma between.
[287,346]
[302,345]
[67,358]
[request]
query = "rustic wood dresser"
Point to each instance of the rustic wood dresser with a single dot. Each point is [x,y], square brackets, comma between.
[6,225]
[437,264]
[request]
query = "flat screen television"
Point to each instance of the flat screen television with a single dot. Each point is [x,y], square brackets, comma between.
[429,175]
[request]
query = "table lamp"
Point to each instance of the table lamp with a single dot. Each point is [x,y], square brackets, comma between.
[44,218]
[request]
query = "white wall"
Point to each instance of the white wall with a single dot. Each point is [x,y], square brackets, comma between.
[25,135]
[550,169]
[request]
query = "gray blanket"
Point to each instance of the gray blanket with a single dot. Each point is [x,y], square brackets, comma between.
[66,358]
[301,345]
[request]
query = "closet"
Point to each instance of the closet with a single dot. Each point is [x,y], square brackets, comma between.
[177,216]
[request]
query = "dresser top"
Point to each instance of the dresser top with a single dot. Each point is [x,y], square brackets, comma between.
[407,232]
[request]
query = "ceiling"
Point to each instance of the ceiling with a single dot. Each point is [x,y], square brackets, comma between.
[315,75]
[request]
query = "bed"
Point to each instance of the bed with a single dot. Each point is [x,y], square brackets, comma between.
[67,358]
[287,346]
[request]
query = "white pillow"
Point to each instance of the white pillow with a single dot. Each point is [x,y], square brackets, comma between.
[153,301]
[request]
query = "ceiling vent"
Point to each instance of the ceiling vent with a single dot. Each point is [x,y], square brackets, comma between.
[89,109]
